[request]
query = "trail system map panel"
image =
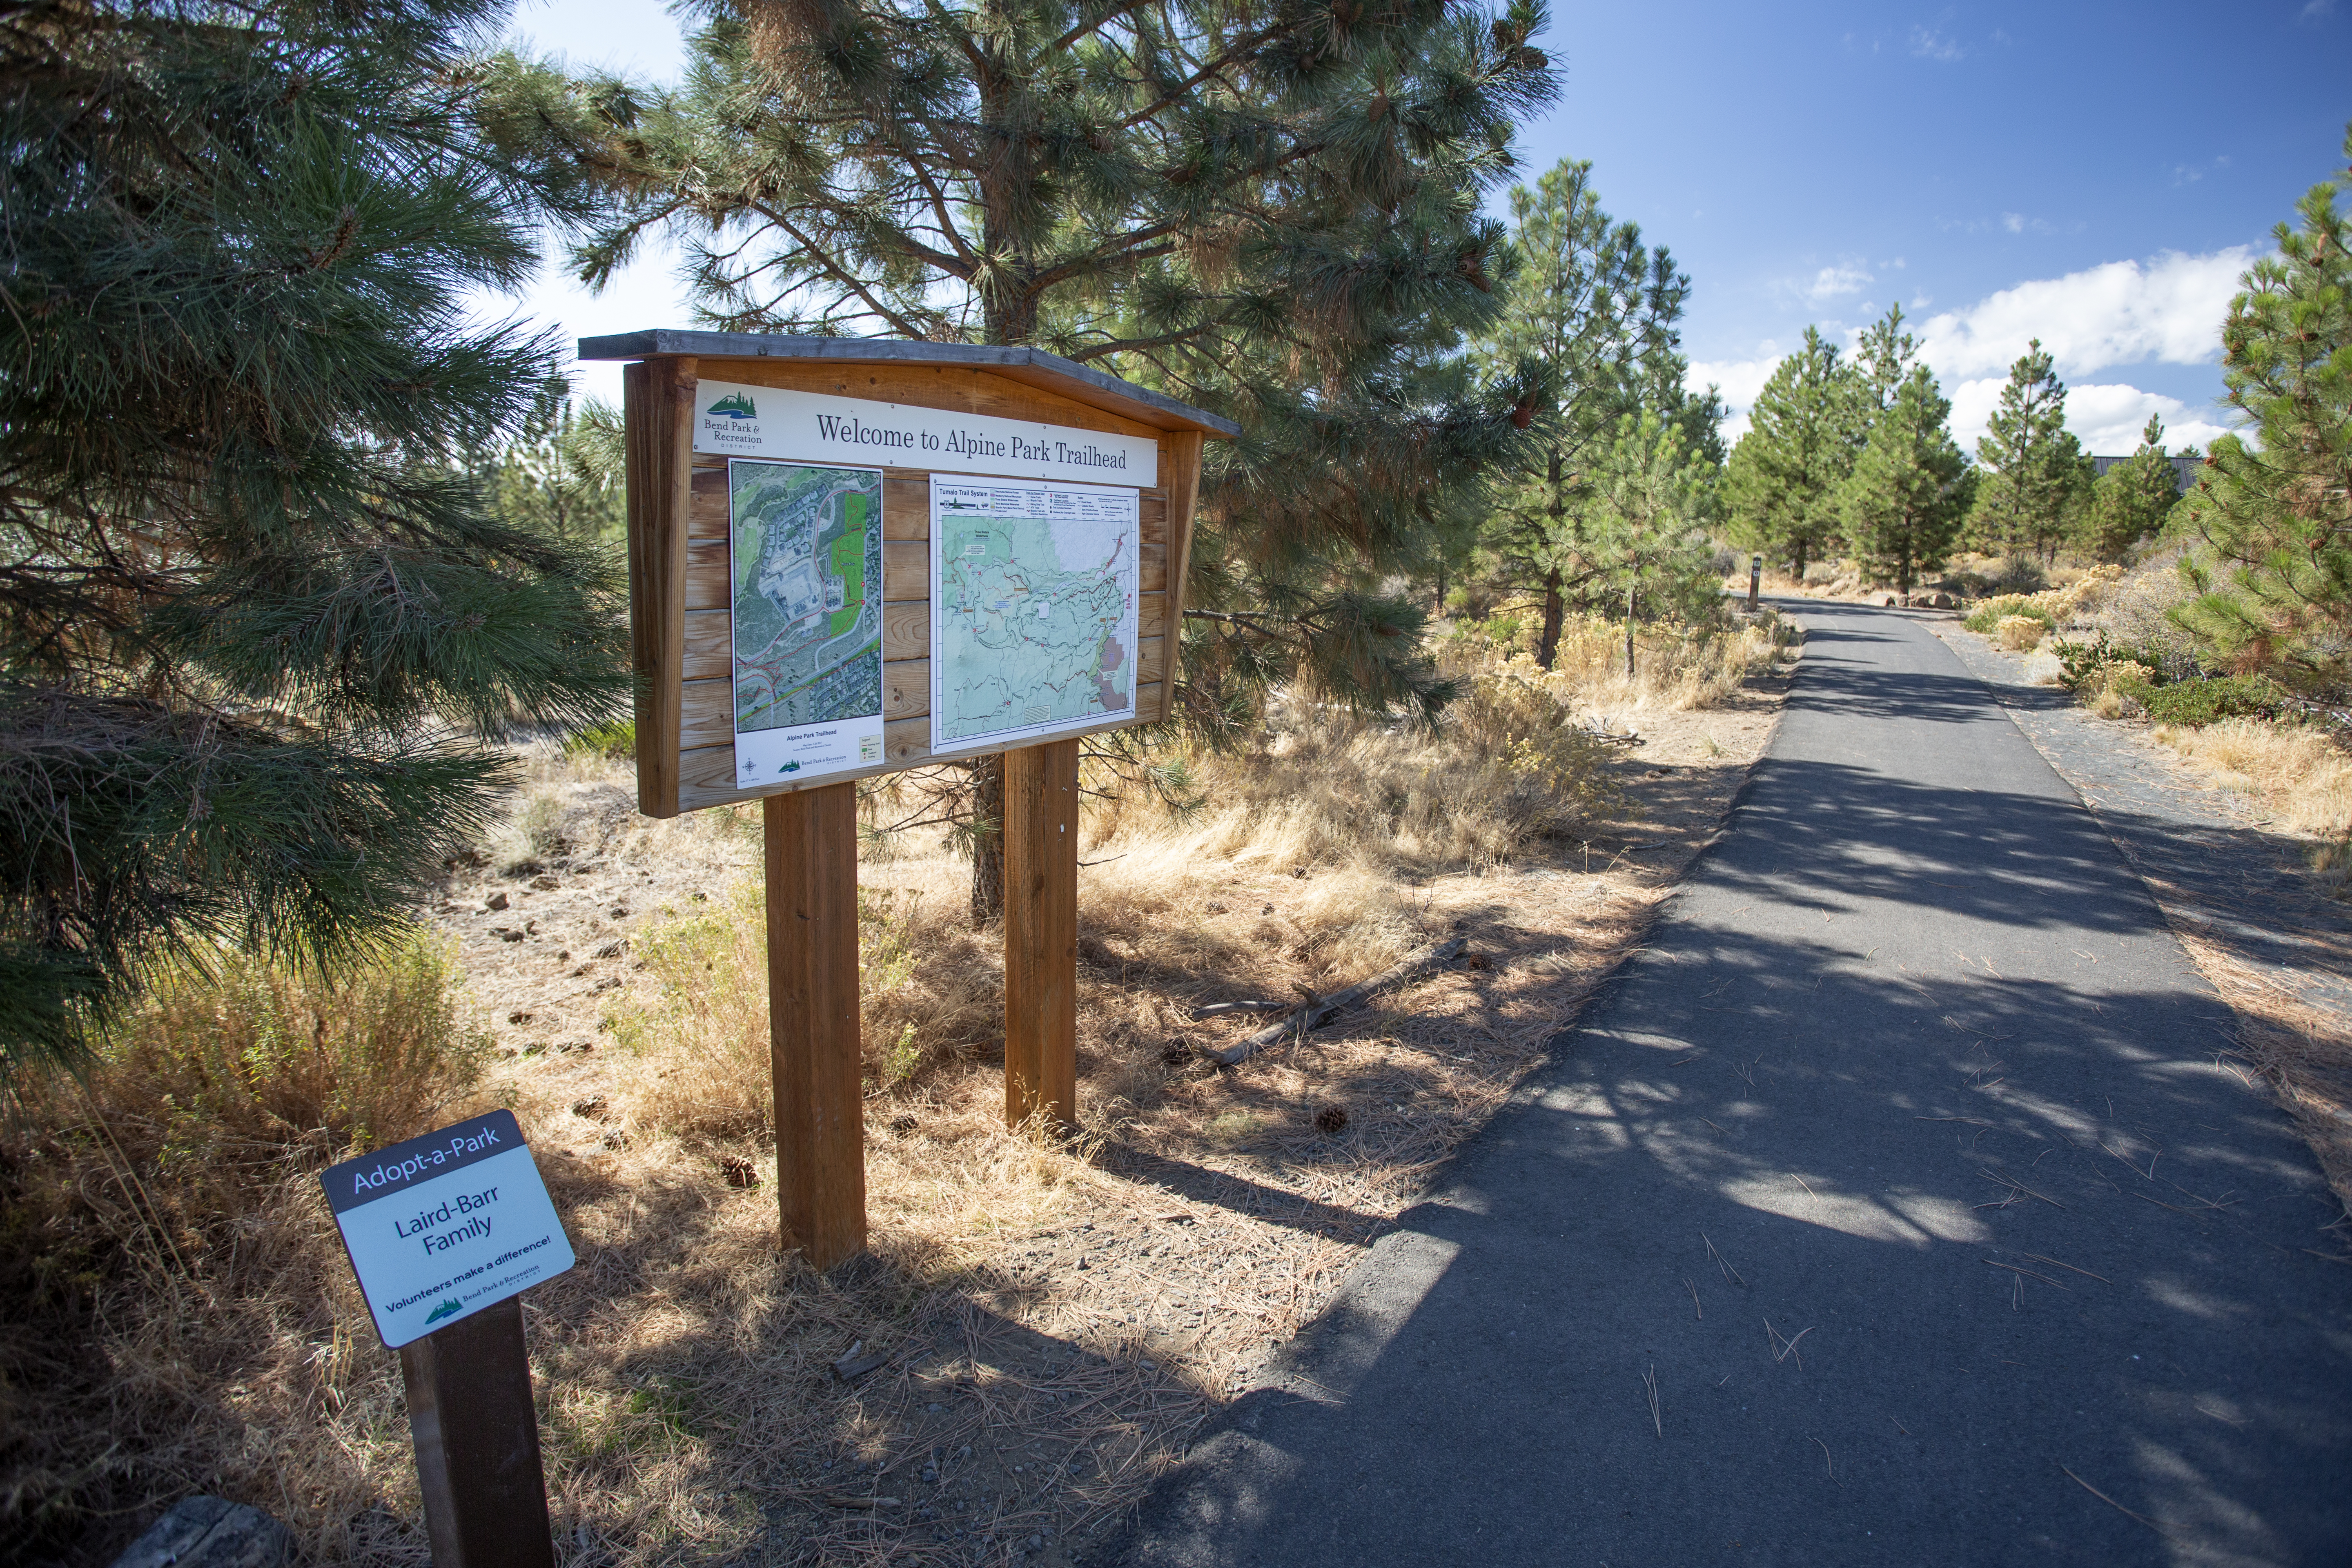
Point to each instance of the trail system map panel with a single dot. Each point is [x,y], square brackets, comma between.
[1033,610]
[805,580]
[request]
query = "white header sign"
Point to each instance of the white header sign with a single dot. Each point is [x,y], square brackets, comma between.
[442,1226]
[737,421]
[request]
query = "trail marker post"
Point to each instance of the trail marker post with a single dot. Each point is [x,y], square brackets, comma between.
[1755,580]
[445,1232]
[852,556]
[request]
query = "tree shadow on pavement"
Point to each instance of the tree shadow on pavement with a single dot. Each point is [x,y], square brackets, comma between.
[1900,1205]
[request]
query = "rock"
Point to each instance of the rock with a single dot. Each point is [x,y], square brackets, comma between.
[544,884]
[496,901]
[211,1532]
[620,911]
[1890,601]
[853,1366]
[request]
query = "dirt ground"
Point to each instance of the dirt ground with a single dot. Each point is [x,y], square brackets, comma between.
[1038,1327]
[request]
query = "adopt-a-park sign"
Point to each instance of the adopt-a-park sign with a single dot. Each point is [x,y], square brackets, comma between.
[445,1224]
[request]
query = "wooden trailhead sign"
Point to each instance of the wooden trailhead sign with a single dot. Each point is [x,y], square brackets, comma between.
[850,556]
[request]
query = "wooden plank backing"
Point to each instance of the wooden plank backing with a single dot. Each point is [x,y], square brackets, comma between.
[1180,480]
[706,774]
[815,1054]
[658,430]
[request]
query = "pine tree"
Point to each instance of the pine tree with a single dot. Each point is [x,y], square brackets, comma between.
[1910,488]
[2274,564]
[1881,362]
[1594,309]
[251,605]
[2034,475]
[1267,210]
[2132,499]
[1805,431]
[565,473]
[1653,500]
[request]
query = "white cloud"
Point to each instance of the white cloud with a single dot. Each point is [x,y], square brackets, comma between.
[2013,222]
[2107,419]
[1830,282]
[2123,312]
[1739,380]
[1927,44]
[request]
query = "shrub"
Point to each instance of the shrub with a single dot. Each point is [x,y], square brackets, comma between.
[616,741]
[2211,699]
[2102,665]
[232,1063]
[169,1271]
[2019,632]
[1985,618]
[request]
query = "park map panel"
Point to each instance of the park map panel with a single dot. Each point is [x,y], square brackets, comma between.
[1033,610]
[805,580]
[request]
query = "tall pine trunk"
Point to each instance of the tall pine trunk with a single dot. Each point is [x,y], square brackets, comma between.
[1007,318]
[987,838]
[1548,645]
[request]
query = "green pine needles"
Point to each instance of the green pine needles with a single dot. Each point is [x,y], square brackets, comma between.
[1269,210]
[1615,490]
[1804,431]
[2274,564]
[1910,487]
[255,619]
[2034,478]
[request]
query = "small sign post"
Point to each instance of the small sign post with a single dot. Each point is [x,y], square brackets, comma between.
[849,557]
[444,1233]
[1755,580]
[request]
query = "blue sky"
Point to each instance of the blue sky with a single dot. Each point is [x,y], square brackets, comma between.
[2094,174]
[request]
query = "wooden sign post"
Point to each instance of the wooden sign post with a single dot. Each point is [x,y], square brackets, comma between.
[846,557]
[445,1232]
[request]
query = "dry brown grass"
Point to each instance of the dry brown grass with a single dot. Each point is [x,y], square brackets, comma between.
[1676,670]
[1058,1315]
[2295,775]
[179,1314]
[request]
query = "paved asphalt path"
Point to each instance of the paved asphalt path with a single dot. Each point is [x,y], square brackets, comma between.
[1900,1165]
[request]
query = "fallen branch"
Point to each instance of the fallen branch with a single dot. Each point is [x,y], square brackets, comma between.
[1215,1009]
[1322,1011]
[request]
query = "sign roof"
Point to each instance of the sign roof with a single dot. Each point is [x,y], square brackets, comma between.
[1095,387]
